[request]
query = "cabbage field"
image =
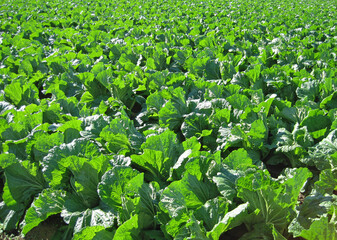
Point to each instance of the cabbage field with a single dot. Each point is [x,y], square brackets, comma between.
[157,119]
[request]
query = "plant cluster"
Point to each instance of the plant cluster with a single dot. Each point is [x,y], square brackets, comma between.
[169,119]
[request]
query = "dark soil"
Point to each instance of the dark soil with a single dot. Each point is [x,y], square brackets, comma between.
[234,233]
[44,231]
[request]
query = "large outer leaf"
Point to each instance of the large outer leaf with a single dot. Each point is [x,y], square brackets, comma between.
[188,193]
[212,212]
[93,233]
[93,125]
[160,154]
[171,115]
[121,135]
[116,185]
[234,166]
[14,92]
[43,142]
[79,220]
[23,182]
[322,152]
[321,229]
[327,182]
[275,201]
[129,230]
[154,162]
[48,203]
[86,176]
[165,142]
[194,124]
[232,219]
[312,209]
[80,147]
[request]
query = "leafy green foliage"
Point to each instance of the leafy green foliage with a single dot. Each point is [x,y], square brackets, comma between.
[48,203]
[169,119]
